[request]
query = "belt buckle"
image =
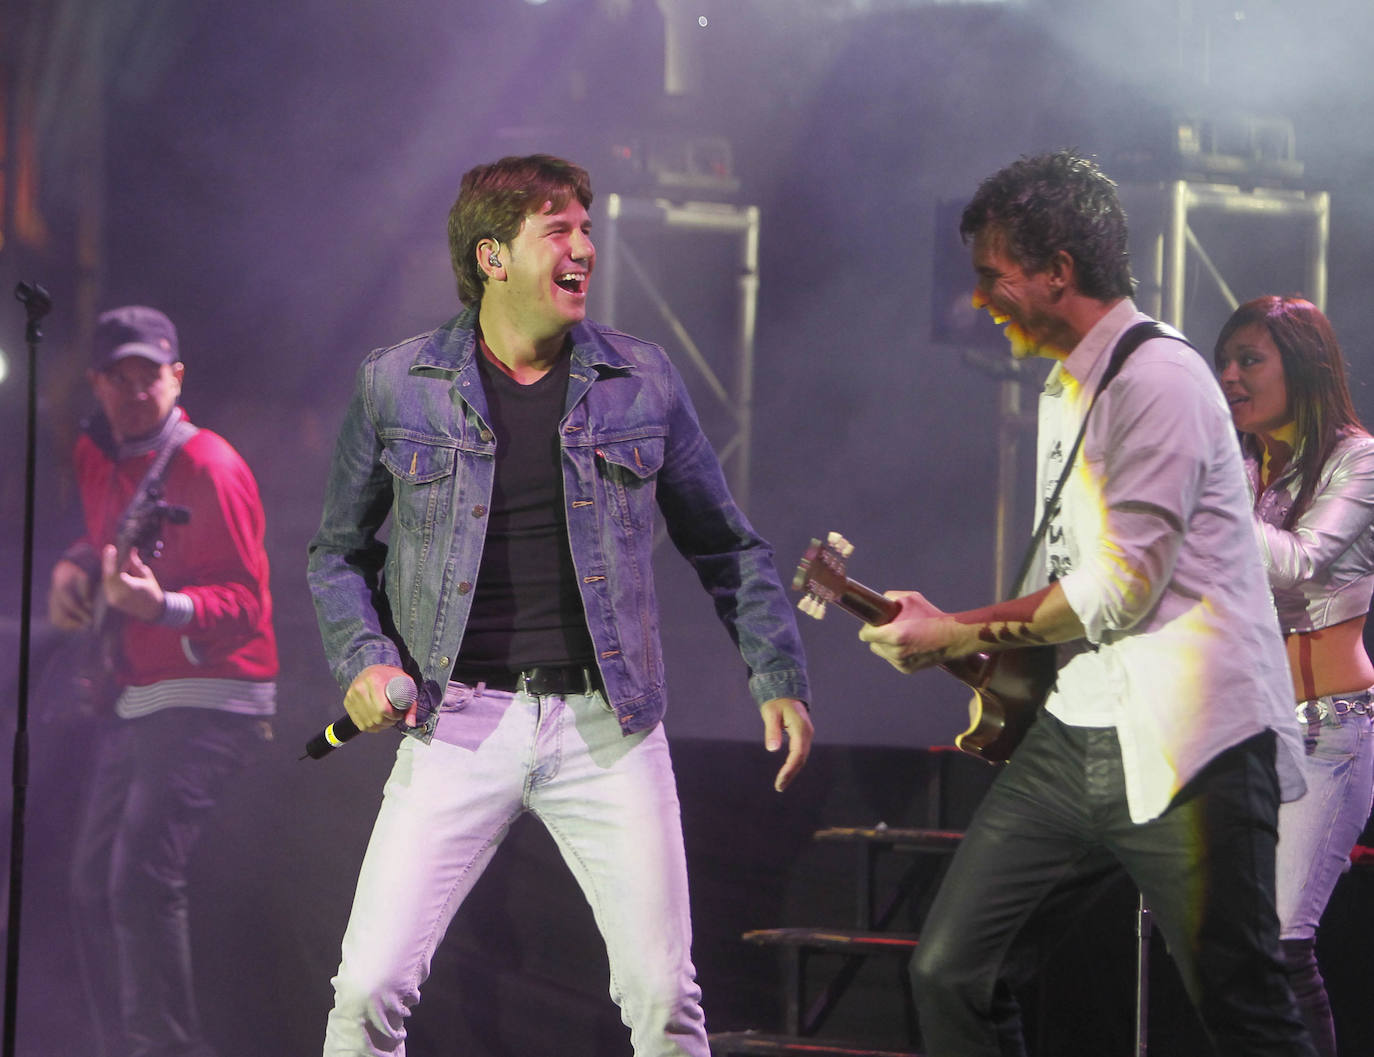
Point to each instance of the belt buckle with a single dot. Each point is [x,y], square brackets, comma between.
[558,682]
[542,682]
[1312,711]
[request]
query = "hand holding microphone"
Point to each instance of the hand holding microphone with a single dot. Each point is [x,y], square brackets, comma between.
[400,694]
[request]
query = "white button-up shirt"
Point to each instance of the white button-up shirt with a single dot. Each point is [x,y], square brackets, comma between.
[1154,548]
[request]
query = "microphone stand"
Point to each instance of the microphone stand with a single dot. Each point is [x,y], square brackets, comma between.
[37,304]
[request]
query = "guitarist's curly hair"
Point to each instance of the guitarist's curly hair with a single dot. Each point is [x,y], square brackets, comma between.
[1052,202]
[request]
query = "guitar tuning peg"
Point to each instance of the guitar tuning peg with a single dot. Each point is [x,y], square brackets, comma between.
[841,545]
[812,607]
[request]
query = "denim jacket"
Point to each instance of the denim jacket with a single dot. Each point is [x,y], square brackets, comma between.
[415,446]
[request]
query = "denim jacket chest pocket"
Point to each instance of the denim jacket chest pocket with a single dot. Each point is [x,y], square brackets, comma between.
[422,469]
[628,471]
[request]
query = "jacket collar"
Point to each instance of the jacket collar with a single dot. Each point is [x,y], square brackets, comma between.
[452,347]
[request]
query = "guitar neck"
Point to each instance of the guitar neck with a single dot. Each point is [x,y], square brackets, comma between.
[866,604]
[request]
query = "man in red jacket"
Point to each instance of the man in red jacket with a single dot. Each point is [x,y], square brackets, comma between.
[171,579]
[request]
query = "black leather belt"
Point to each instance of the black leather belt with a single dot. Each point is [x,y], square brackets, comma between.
[540,681]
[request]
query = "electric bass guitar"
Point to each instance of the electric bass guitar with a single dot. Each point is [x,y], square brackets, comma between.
[1008,686]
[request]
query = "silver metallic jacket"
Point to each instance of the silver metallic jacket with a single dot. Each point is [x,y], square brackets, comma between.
[1322,572]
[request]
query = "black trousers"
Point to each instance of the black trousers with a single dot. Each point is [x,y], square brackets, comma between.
[157,779]
[1054,825]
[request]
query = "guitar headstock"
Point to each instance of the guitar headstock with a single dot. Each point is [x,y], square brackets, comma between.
[821,574]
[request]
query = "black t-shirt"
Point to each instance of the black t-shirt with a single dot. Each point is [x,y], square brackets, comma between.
[526,609]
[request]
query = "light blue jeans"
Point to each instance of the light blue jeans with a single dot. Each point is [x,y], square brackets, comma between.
[610,803]
[1317,831]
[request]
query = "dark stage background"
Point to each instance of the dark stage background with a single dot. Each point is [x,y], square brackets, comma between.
[275,174]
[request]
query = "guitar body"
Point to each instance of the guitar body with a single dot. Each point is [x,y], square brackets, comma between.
[1008,686]
[1008,689]
[92,685]
[77,679]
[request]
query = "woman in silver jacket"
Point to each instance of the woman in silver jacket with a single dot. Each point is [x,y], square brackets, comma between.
[1311,468]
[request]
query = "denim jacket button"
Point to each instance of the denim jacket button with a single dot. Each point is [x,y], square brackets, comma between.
[479,511]
[464,587]
[486,436]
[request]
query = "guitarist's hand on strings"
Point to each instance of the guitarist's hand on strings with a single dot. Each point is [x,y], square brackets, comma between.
[70,599]
[130,586]
[920,636]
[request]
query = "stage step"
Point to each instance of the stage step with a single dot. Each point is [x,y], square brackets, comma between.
[745,1043]
[843,941]
[895,837]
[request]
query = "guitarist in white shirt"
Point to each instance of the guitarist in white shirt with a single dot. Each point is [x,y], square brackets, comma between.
[1167,742]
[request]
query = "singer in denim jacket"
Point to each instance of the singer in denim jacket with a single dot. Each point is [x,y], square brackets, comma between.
[414,444]
[521,454]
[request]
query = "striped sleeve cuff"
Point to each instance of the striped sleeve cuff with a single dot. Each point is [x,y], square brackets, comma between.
[177,610]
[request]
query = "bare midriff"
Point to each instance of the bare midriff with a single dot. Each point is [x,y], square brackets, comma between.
[1329,661]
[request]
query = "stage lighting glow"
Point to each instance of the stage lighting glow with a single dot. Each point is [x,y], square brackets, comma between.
[702,21]
[4,366]
[536,3]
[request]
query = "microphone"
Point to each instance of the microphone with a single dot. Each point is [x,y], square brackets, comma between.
[35,299]
[400,694]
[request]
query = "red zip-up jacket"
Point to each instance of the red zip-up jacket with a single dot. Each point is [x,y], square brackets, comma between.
[217,559]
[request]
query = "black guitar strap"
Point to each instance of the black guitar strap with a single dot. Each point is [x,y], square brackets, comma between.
[1126,344]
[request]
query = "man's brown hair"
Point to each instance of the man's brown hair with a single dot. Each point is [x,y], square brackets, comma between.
[494,200]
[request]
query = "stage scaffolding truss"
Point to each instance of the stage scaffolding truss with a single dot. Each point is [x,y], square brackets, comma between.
[654,280]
